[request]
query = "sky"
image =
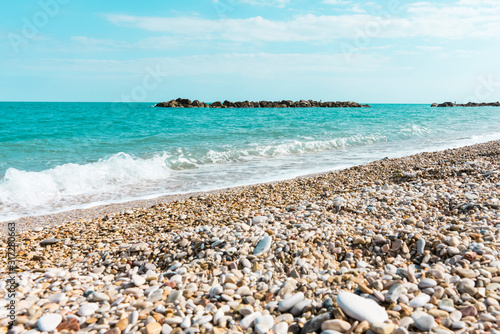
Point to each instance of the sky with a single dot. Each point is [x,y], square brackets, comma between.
[391,51]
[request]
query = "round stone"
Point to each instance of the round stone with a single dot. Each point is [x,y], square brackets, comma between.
[138,280]
[423,321]
[49,322]
[427,283]
[420,300]
[87,309]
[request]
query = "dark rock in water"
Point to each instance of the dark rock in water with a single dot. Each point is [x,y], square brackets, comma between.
[186,103]
[469,104]
[216,104]
[50,242]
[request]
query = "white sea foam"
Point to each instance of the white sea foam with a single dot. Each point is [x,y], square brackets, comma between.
[26,190]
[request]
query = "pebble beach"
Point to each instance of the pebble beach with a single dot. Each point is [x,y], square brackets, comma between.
[407,245]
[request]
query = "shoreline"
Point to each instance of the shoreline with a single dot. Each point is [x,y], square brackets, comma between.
[55,219]
[100,211]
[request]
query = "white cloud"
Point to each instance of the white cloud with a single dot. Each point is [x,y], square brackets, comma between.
[422,19]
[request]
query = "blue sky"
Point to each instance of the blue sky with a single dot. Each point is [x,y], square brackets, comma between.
[149,51]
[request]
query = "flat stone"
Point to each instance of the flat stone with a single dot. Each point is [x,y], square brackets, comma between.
[173,296]
[263,246]
[290,302]
[336,325]
[280,328]
[394,292]
[166,329]
[247,321]
[383,328]
[458,325]
[421,246]
[427,283]
[263,323]
[153,328]
[406,322]
[361,308]
[446,304]
[138,280]
[71,324]
[47,242]
[259,220]
[469,311]
[122,324]
[423,321]
[456,316]
[100,296]
[87,309]
[420,300]
[49,322]
[173,321]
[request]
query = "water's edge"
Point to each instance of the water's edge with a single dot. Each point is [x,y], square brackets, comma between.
[98,211]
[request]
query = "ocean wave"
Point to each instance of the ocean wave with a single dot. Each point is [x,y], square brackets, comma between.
[182,158]
[411,130]
[123,175]
[33,189]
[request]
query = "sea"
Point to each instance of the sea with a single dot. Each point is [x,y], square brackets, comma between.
[60,156]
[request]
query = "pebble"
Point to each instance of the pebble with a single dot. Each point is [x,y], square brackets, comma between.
[394,293]
[427,283]
[49,322]
[138,280]
[290,302]
[263,323]
[336,325]
[248,321]
[263,246]
[87,309]
[420,300]
[50,242]
[421,246]
[423,321]
[361,308]
[153,328]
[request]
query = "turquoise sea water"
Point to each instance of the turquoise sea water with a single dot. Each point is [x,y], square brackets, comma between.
[59,156]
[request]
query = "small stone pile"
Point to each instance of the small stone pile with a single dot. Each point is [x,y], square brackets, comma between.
[391,247]
[186,103]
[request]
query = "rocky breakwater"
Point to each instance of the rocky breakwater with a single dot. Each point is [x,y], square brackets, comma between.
[185,103]
[394,246]
[470,104]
